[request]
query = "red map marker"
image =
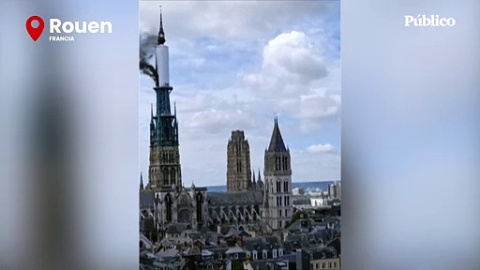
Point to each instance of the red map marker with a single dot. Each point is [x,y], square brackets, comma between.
[35,33]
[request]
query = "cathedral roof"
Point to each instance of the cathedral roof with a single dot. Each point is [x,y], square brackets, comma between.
[276,142]
[237,198]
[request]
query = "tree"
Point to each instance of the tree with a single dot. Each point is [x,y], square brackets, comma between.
[299,215]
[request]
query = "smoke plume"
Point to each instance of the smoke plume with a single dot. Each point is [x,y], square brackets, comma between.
[147,51]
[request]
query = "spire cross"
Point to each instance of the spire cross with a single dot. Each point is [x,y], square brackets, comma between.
[161,34]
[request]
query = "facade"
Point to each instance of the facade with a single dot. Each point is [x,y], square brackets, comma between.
[277,205]
[326,258]
[234,208]
[239,174]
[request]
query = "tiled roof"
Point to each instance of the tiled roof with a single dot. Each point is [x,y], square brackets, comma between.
[234,199]
[263,243]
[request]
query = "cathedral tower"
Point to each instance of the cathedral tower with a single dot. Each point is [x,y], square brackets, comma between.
[278,181]
[238,163]
[164,170]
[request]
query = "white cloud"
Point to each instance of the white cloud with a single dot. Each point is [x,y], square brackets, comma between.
[321,148]
[295,79]
[293,55]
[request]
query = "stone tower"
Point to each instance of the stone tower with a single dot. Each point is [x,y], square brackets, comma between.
[173,202]
[238,163]
[164,170]
[278,182]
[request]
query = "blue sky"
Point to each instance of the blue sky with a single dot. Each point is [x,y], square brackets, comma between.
[233,65]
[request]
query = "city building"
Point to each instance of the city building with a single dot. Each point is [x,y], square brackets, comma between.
[334,190]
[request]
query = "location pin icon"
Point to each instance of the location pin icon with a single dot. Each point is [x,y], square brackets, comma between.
[35,33]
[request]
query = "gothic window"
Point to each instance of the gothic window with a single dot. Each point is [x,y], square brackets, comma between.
[172,176]
[199,199]
[184,200]
[165,177]
[279,213]
[286,212]
[240,168]
[184,216]
[168,206]
[286,187]
[278,186]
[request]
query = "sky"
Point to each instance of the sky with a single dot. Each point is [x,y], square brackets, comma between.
[234,66]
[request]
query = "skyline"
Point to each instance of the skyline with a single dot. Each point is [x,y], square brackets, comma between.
[288,65]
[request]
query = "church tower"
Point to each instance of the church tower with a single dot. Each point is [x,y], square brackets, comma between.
[239,174]
[164,170]
[278,181]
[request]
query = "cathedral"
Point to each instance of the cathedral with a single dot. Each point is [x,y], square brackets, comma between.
[248,200]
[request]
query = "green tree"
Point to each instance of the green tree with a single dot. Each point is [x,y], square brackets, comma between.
[299,215]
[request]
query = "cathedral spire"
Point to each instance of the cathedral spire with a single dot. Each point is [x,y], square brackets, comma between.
[161,35]
[259,175]
[276,142]
[141,181]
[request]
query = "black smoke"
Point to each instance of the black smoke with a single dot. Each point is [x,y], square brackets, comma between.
[147,52]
